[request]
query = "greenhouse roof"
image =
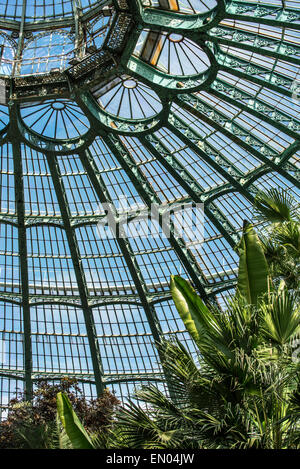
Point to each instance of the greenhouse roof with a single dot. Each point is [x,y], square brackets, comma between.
[111,111]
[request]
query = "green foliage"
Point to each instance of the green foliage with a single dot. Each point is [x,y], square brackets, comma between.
[238,394]
[242,391]
[275,206]
[189,304]
[34,424]
[280,235]
[71,423]
[253,268]
[280,317]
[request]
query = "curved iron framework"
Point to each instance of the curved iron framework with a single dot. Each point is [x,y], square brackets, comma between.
[151,102]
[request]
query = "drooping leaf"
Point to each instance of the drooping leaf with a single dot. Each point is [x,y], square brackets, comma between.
[140,431]
[71,423]
[194,313]
[288,235]
[274,205]
[253,275]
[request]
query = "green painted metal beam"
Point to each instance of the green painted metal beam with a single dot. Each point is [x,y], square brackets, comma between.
[263,13]
[149,196]
[254,73]
[191,138]
[22,246]
[50,24]
[84,377]
[104,197]
[22,251]
[80,278]
[257,107]
[125,247]
[79,31]
[144,189]
[238,134]
[260,44]
[289,152]
[174,83]
[17,60]
[191,186]
[180,23]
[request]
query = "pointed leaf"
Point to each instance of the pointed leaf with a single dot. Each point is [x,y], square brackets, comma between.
[253,273]
[194,313]
[71,423]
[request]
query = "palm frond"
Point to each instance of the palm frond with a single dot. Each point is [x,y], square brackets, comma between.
[280,317]
[274,206]
[288,236]
[139,430]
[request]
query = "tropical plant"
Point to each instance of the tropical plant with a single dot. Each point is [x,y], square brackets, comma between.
[240,390]
[243,389]
[277,212]
[77,434]
[35,425]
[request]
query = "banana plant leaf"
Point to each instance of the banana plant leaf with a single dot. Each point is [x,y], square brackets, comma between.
[73,427]
[253,275]
[194,313]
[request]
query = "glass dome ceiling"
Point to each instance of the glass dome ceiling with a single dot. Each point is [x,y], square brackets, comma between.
[45,10]
[106,109]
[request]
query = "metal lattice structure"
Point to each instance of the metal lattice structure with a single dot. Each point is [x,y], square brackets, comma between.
[152,101]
